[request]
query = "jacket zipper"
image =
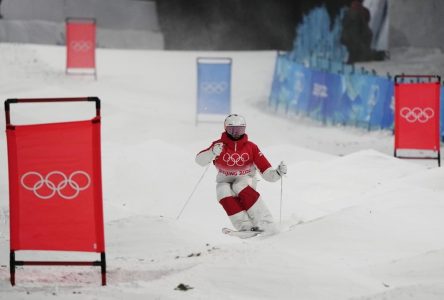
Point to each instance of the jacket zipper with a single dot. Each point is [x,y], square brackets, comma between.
[235,146]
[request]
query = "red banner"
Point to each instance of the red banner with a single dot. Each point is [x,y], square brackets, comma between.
[55,186]
[417,116]
[81,44]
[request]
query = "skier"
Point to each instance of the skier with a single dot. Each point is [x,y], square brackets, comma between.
[237,160]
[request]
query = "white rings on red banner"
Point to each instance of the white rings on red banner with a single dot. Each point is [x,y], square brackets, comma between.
[81,46]
[417,114]
[34,181]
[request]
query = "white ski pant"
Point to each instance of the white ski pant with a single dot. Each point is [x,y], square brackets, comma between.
[243,203]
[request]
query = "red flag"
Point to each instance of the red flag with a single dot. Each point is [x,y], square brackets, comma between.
[417,116]
[81,44]
[55,186]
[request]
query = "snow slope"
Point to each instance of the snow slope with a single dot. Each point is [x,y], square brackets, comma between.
[356,222]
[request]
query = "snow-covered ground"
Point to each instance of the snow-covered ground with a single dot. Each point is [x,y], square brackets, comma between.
[356,222]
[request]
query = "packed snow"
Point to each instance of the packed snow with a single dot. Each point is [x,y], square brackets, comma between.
[356,223]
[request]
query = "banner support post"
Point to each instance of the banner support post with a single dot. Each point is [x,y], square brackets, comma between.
[103,267]
[14,263]
[12,266]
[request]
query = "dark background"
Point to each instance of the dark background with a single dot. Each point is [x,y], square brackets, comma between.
[235,24]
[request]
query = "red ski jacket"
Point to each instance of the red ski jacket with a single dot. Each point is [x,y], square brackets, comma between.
[239,158]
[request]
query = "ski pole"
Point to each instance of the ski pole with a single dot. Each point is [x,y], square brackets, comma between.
[280,208]
[191,195]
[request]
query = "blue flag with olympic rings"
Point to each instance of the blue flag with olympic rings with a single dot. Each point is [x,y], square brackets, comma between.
[213,85]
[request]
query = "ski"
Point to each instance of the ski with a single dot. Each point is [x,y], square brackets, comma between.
[240,234]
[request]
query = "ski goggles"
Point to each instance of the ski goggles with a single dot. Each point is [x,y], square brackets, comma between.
[235,131]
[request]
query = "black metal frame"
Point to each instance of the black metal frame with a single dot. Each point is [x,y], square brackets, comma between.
[12,261]
[430,77]
[8,103]
[438,157]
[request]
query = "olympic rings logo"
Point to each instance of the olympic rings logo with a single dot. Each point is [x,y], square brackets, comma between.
[66,186]
[214,87]
[421,115]
[81,46]
[235,159]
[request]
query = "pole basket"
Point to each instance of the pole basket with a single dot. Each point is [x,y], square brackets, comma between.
[55,187]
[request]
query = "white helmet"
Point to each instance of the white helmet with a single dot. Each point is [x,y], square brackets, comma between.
[235,125]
